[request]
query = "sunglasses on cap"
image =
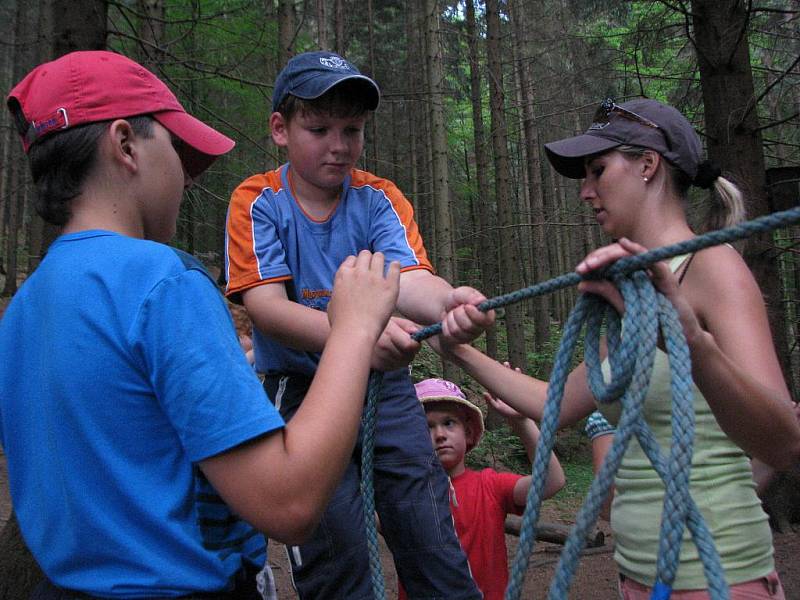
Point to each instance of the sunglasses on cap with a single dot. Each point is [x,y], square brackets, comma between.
[608,107]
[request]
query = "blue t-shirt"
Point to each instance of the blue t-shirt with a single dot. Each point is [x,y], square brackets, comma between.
[120,370]
[270,239]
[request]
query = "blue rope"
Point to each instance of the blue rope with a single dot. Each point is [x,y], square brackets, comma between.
[631,359]
[367,486]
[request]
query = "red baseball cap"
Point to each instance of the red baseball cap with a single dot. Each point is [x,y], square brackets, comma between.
[90,86]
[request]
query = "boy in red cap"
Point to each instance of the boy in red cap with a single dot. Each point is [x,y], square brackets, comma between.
[143,457]
[287,230]
[480,500]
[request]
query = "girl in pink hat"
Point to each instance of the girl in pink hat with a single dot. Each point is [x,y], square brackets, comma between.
[480,500]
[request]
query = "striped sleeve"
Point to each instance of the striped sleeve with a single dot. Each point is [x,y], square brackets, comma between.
[394,230]
[253,252]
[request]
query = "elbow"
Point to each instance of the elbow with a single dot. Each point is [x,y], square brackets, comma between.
[298,521]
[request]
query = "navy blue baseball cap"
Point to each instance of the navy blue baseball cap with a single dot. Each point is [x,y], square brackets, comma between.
[311,74]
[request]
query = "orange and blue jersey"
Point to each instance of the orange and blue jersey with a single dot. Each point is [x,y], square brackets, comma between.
[270,239]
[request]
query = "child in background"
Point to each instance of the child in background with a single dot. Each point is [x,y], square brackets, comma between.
[480,500]
[287,231]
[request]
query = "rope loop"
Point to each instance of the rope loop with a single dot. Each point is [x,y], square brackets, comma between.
[632,344]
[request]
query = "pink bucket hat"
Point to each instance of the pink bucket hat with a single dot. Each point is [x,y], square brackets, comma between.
[432,391]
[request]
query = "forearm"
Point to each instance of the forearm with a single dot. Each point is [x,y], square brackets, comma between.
[293,325]
[326,424]
[423,296]
[526,394]
[529,435]
[756,418]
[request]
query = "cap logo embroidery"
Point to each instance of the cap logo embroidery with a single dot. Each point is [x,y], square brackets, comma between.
[334,62]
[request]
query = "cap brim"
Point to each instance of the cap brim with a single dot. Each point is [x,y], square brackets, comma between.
[204,144]
[370,87]
[568,156]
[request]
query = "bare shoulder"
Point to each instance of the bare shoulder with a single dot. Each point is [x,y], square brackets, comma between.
[718,280]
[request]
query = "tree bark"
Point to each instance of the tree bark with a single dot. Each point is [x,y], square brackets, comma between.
[487,253]
[509,245]
[734,140]
[522,20]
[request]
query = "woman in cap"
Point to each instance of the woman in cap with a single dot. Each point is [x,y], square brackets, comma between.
[638,160]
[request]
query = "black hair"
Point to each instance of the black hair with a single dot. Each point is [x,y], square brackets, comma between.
[343,100]
[61,162]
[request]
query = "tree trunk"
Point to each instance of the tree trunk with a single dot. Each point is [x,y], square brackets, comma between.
[487,257]
[734,140]
[509,246]
[372,127]
[441,188]
[522,19]
[322,26]
[339,8]
[286,31]
[151,33]
[439,166]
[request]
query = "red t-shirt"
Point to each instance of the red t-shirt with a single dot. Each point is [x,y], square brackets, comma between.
[480,503]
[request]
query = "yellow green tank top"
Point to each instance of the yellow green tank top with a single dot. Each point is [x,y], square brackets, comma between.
[721,484]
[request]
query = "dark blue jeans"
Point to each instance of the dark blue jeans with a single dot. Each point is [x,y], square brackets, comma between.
[411,497]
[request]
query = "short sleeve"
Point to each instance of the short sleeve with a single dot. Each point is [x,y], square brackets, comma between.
[502,485]
[254,253]
[185,340]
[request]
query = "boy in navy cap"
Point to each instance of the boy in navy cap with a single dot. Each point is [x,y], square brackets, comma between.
[287,231]
[142,454]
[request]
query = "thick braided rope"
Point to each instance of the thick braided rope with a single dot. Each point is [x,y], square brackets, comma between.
[634,263]
[367,484]
[631,359]
[670,474]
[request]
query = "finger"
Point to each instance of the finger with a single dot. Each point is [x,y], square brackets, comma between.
[631,246]
[349,262]
[601,257]
[393,273]
[363,260]
[376,262]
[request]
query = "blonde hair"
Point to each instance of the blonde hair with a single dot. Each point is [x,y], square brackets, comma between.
[727,207]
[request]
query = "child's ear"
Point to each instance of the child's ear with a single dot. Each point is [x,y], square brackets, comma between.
[469,435]
[279,129]
[121,140]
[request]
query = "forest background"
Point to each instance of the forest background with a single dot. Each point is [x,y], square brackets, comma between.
[471,91]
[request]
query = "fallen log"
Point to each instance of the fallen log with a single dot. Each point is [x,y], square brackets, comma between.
[555,533]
